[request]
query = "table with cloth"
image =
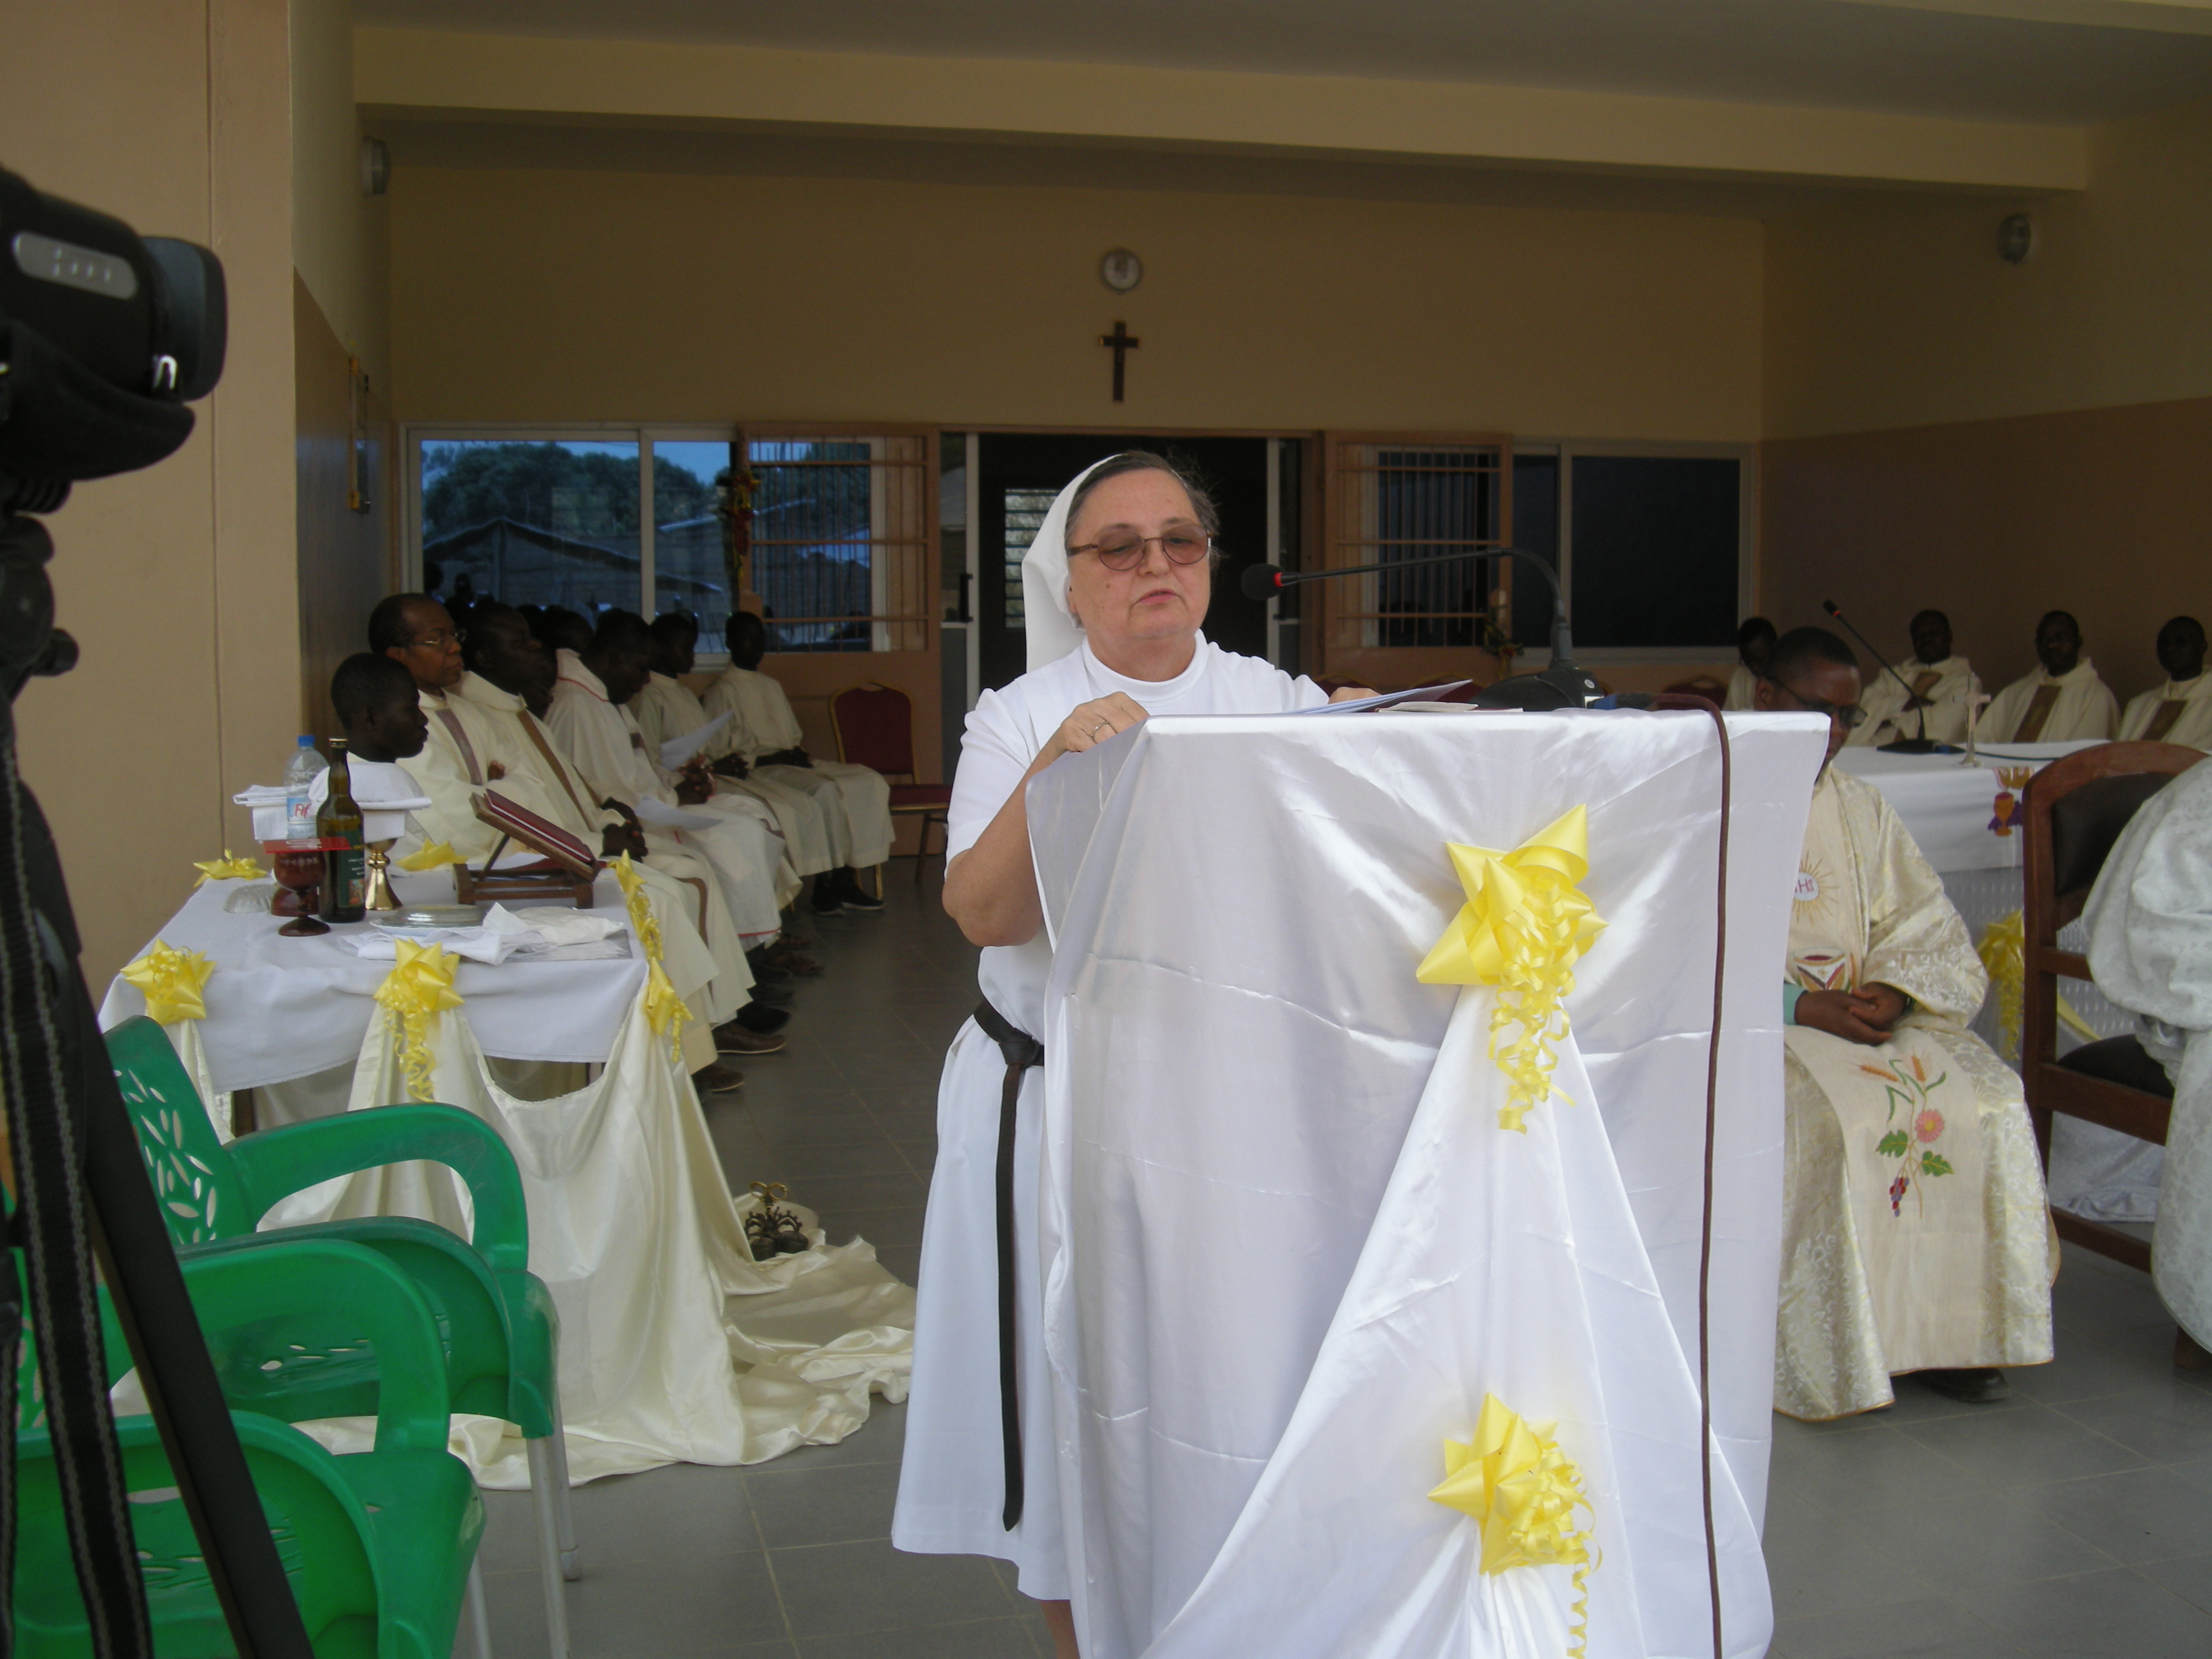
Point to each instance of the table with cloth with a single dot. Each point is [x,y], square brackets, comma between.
[676,1346]
[1302,1277]
[1967,822]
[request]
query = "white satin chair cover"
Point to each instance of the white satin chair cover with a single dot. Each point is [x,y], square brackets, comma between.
[1287,1250]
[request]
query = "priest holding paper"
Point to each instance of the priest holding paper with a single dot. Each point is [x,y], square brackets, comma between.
[1916,1235]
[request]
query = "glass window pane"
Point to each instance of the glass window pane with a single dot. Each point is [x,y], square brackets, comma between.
[812,539]
[690,569]
[1657,544]
[531,522]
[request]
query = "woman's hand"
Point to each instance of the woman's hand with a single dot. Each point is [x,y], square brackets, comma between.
[1088,725]
[1351,694]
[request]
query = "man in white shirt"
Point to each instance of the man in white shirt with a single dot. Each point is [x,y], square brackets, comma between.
[2063,701]
[2180,711]
[1926,697]
[764,735]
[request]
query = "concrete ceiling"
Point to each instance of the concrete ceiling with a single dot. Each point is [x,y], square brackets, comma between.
[2060,62]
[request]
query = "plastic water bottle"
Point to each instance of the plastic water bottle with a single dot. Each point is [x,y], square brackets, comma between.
[299,779]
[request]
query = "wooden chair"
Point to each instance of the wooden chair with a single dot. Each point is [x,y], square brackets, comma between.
[2076,808]
[874,726]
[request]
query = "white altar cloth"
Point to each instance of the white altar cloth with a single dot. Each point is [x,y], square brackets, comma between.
[1952,810]
[1286,1248]
[282,1008]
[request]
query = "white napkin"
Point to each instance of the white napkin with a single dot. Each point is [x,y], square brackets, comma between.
[677,750]
[477,943]
[660,816]
[551,924]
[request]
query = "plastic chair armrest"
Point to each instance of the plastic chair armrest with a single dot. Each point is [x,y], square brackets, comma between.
[276,1163]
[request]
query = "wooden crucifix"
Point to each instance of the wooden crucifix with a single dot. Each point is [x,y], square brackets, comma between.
[1121,343]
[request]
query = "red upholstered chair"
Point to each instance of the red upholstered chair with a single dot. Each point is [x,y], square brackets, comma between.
[875,729]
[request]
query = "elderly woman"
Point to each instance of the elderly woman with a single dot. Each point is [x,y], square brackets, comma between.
[1114,588]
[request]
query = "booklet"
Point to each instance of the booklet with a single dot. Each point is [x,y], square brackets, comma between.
[678,751]
[1419,694]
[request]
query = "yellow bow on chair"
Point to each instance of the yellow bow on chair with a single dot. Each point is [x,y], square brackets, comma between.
[1522,1491]
[1525,921]
[665,1010]
[174,983]
[2003,951]
[226,868]
[432,855]
[419,985]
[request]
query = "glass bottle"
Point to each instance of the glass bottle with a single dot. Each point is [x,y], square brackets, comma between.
[340,821]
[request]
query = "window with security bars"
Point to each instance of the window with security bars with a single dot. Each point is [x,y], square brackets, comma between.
[1396,503]
[838,539]
[1025,511]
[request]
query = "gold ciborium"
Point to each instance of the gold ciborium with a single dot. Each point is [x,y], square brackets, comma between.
[377,894]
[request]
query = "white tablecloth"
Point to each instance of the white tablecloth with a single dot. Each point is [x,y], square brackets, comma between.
[1288,1248]
[281,1008]
[1952,809]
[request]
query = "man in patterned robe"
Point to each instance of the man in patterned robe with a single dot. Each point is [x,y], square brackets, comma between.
[2180,711]
[1916,1235]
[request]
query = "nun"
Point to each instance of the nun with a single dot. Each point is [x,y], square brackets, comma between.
[1115,590]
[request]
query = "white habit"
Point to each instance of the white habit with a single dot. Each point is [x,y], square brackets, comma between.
[2180,711]
[2073,706]
[665,709]
[1943,686]
[856,800]
[2150,950]
[1744,686]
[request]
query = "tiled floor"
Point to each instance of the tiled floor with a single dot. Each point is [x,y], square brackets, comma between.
[2073,1521]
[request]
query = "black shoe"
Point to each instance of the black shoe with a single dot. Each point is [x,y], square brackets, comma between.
[1981,1386]
[852,895]
[765,1021]
[717,1079]
[827,902]
[765,971]
[776,996]
[731,1037]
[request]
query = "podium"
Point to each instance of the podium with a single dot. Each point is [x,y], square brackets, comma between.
[1289,1252]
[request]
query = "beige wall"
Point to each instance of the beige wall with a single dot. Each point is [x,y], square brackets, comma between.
[177,581]
[338,235]
[556,296]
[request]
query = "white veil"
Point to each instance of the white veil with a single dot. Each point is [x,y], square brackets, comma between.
[1050,626]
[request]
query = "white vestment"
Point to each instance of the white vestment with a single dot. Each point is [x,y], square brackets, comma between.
[1943,686]
[2150,950]
[665,709]
[857,800]
[2080,708]
[1743,685]
[745,850]
[1915,1231]
[2188,721]
[950,1489]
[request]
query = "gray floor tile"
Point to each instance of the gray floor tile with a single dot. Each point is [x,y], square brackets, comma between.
[2118,1614]
[881,1439]
[2136,1357]
[1820,1563]
[995,1638]
[696,1611]
[833,1589]
[836,1503]
[902,1261]
[2031,1446]
[625,1518]
[1928,1627]
[2189,1578]
[1879,1468]
[2168,1423]
[1975,1543]
[864,1155]
[2144,1515]
[896,1191]
[881,1228]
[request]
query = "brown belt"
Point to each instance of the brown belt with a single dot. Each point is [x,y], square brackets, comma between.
[1021,1051]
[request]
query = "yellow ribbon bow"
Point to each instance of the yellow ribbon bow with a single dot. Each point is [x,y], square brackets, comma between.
[433,855]
[226,868]
[1524,923]
[419,985]
[172,982]
[665,1010]
[2003,951]
[1522,1491]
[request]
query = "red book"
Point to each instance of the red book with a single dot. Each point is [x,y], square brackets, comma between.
[550,841]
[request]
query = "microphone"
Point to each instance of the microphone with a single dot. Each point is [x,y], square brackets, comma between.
[1922,744]
[1560,685]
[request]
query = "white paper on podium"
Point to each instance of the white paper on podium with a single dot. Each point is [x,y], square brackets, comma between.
[1245,1104]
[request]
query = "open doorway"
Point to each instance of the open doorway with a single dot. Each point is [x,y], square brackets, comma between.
[1019,473]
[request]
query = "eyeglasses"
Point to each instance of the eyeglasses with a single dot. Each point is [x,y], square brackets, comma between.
[1123,551]
[1850,716]
[438,638]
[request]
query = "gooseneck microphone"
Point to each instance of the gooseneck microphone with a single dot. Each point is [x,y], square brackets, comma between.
[1922,744]
[1559,685]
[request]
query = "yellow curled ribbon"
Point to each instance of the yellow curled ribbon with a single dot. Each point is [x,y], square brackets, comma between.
[226,868]
[174,983]
[419,985]
[1524,923]
[433,855]
[1522,1491]
[665,1010]
[2003,951]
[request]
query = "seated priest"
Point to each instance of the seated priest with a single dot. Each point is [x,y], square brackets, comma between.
[1754,641]
[465,753]
[665,709]
[2180,711]
[763,734]
[1915,1233]
[2149,919]
[1926,695]
[2063,701]
[736,834]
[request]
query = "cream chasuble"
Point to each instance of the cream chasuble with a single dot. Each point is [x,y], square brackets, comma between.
[1944,686]
[665,709]
[2075,707]
[1743,684]
[2180,711]
[1915,1231]
[856,800]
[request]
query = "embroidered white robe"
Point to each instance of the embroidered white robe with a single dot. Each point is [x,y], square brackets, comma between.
[1944,686]
[665,709]
[1915,1231]
[2082,708]
[857,800]
[2188,720]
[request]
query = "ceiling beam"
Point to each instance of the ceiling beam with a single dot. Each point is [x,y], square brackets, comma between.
[425,73]
[2153,16]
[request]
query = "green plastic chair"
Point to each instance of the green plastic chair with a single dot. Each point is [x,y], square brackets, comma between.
[497,1320]
[379,1546]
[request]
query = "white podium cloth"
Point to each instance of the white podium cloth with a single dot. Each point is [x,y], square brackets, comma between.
[1286,1248]
[282,1008]
[675,1346]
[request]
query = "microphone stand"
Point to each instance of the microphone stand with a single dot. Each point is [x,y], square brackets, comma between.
[1922,744]
[1560,684]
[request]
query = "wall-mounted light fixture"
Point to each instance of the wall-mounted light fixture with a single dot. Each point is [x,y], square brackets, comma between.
[2016,238]
[375,166]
